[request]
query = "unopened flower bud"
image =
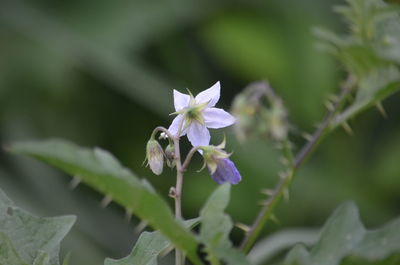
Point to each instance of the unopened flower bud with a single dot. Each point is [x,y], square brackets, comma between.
[258,110]
[221,168]
[226,172]
[278,121]
[155,156]
[170,155]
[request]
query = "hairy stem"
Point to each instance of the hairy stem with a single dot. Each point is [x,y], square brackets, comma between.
[282,187]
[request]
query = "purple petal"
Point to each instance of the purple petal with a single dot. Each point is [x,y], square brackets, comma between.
[198,134]
[217,118]
[210,95]
[180,100]
[226,172]
[174,127]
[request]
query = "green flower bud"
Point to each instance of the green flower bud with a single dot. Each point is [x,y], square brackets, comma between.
[155,156]
[170,155]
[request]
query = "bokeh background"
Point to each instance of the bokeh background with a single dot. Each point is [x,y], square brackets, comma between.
[101,73]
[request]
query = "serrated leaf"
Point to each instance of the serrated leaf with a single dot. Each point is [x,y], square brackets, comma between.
[33,238]
[215,229]
[100,170]
[147,248]
[345,236]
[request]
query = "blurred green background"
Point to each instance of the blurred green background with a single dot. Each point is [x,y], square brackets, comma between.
[101,73]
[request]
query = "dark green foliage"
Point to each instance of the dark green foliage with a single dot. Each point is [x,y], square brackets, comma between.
[104,173]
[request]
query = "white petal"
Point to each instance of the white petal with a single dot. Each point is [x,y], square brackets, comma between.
[217,118]
[210,95]
[198,134]
[180,100]
[174,127]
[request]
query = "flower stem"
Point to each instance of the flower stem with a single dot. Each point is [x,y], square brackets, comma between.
[282,187]
[179,256]
[189,157]
[177,194]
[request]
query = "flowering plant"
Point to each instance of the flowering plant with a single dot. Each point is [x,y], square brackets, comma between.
[369,53]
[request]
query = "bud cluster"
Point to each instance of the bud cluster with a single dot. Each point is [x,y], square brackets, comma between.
[258,110]
[155,155]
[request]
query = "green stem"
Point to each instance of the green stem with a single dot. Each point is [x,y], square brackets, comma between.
[267,210]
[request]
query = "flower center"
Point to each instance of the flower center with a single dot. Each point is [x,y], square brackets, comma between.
[194,113]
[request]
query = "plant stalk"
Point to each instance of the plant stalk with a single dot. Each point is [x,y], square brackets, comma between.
[282,187]
[179,256]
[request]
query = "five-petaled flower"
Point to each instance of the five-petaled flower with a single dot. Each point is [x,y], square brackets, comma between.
[196,114]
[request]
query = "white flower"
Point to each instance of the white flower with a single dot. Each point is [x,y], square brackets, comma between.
[196,114]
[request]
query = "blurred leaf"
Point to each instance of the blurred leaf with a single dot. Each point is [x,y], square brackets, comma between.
[344,235]
[370,52]
[147,248]
[387,39]
[216,225]
[8,255]
[66,259]
[380,243]
[392,260]
[42,259]
[215,229]
[103,172]
[273,244]
[372,89]
[30,239]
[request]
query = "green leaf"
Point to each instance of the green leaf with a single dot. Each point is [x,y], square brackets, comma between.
[100,170]
[216,225]
[345,236]
[215,229]
[42,259]
[273,244]
[148,247]
[28,239]
[66,259]
[380,243]
[8,255]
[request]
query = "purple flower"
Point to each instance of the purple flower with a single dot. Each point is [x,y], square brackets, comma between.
[226,172]
[196,114]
